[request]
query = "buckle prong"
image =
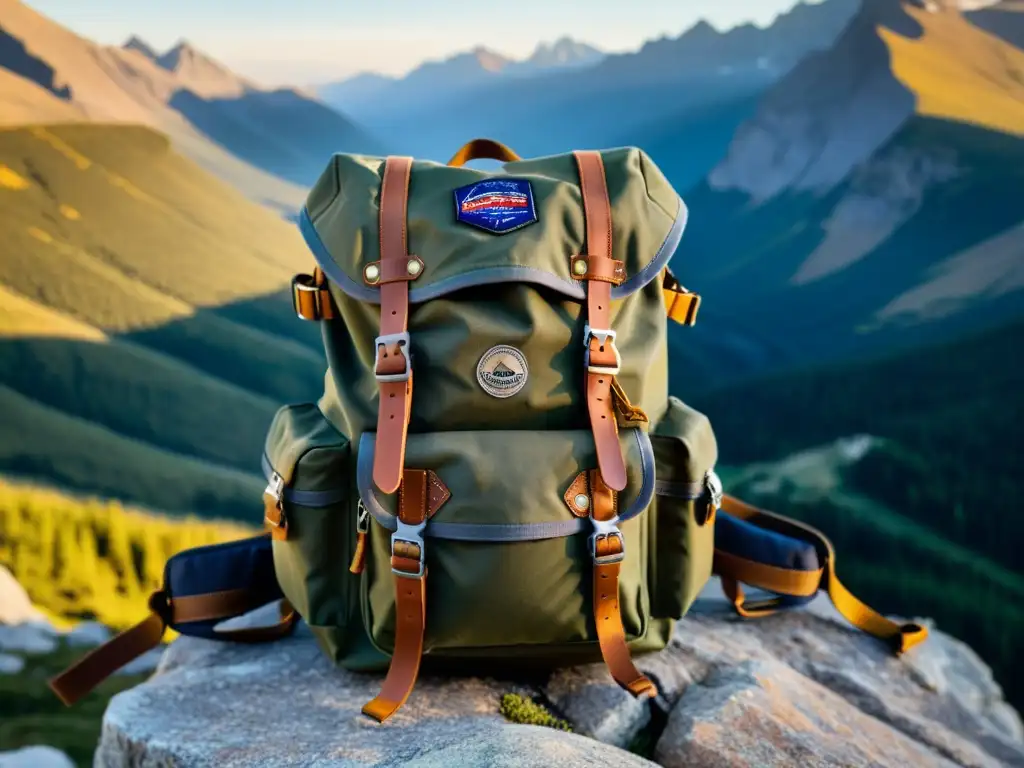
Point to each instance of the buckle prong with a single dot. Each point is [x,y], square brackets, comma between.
[409,534]
[607,337]
[402,340]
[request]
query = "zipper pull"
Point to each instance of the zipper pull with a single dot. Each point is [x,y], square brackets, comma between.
[273,508]
[362,527]
[628,414]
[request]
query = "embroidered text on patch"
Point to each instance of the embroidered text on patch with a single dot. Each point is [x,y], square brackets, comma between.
[496,205]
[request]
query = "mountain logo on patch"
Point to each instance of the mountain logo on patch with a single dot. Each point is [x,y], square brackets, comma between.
[496,205]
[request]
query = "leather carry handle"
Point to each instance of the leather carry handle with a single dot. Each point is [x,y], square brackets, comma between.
[483,149]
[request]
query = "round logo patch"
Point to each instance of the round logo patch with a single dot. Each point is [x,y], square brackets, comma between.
[502,371]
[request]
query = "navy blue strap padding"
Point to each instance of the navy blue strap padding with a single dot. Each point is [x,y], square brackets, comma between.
[745,539]
[247,564]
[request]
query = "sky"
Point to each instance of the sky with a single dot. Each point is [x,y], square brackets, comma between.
[306,42]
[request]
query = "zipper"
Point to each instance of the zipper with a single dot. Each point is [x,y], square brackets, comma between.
[273,508]
[362,528]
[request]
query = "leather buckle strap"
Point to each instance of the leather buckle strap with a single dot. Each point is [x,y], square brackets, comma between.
[311,298]
[606,343]
[407,565]
[389,349]
[607,544]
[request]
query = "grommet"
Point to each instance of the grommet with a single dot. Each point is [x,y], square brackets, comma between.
[579,267]
[413,267]
[371,273]
[582,501]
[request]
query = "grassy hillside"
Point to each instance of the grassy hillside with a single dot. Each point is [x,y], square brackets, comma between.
[81,559]
[940,496]
[144,314]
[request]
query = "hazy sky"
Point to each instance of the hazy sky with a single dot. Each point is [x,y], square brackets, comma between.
[309,41]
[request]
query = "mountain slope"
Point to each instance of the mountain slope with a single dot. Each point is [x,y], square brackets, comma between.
[868,177]
[218,119]
[144,313]
[935,491]
[619,100]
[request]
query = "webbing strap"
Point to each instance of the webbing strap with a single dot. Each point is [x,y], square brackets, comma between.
[681,305]
[608,553]
[83,676]
[901,637]
[407,564]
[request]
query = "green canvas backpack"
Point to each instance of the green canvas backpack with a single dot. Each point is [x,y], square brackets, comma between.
[496,478]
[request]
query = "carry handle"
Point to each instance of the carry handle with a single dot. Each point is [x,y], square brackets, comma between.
[483,149]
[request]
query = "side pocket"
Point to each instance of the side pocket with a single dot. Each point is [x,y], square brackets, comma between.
[687,494]
[308,466]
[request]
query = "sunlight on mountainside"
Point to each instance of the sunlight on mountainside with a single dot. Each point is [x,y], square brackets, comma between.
[83,558]
[958,72]
[20,317]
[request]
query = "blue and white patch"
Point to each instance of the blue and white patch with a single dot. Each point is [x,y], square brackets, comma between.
[496,205]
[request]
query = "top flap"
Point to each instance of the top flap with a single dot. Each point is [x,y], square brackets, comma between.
[523,222]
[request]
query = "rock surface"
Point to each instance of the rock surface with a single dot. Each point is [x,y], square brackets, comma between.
[15,605]
[35,757]
[794,690]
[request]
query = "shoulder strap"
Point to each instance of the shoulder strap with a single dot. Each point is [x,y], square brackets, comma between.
[793,561]
[202,587]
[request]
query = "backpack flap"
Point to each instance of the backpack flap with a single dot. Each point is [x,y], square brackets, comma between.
[202,587]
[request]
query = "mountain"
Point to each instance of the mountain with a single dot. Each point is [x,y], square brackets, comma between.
[237,130]
[924,483]
[631,98]
[137,44]
[146,328]
[364,93]
[870,201]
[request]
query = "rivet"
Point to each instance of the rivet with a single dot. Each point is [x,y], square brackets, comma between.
[371,273]
[582,501]
[579,267]
[413,267]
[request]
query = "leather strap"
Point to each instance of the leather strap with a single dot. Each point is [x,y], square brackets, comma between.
[602,356]
[311,297]
[481,149]
[609,550]
[393,365]
[96,666]
[900,637]
[407,564]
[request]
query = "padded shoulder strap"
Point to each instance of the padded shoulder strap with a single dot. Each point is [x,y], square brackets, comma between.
[202,587]
[793,561]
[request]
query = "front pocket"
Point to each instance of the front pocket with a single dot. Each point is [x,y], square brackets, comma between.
[507,559]
[687,494]
[309,468]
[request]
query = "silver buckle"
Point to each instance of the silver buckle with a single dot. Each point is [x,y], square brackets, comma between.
[605,336]
[604,529]
[409,534]
[392,338]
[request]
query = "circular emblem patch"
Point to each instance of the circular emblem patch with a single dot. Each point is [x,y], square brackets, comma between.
[502,371]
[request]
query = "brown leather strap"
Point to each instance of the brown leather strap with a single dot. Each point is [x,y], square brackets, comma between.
[480,149]
[602,356]
[608,552]
[83,676]
[311,297]
[407,564]
[393,362]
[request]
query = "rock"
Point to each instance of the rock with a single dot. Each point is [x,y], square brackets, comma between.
[15,605]
[11,664]
[30,637]
[144,664]
[790,690]
[35,757]
[87,634]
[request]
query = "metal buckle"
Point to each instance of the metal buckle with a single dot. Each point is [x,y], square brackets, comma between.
[392,338]
[603,529]
[606,337]
[308,286]
[409,534]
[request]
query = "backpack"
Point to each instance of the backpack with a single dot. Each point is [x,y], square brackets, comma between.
[496,478]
